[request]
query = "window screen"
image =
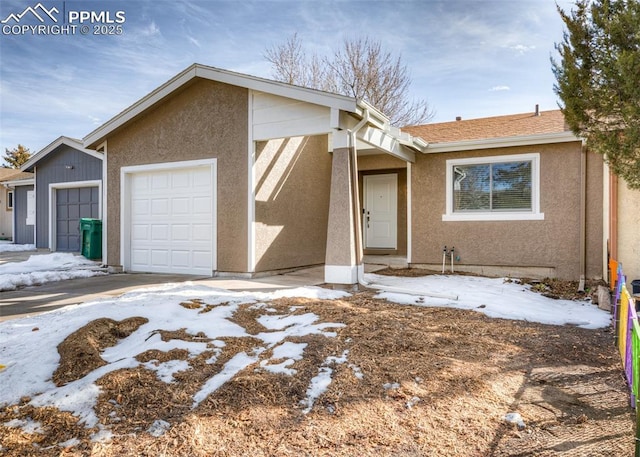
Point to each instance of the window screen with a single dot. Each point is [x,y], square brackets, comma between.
[499,186]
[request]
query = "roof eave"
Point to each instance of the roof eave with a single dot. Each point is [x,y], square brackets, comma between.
[490,143]
[317,97]
[71,142]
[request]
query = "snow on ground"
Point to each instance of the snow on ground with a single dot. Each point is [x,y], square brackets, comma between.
[28,346]
[33,355]
[40,269]
[495,297]
[8,246]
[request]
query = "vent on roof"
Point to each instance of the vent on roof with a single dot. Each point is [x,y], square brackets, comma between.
[458,118]
[537,110]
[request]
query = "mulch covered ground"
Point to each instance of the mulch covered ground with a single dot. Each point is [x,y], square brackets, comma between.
[418,382]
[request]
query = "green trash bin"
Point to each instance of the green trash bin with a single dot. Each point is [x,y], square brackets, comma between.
[91,238]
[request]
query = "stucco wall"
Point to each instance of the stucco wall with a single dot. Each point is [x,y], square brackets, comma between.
[6,215]
[207,119]
[384,164]
[550,246]
[292,185]
[629,230]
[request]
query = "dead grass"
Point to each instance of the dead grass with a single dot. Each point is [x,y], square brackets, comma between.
[435,382]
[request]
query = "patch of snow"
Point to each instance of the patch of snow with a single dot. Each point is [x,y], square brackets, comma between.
[27,426]
[158,428]
[166,370]
[494,297]
[69,443]
[237,363]
[7,246]
[288,351]
[321,382]
[41,269]
[516,419]
[391,386]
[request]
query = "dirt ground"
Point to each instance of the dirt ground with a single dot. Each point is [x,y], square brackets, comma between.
[419,382]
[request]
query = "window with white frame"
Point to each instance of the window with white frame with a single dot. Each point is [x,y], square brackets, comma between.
[493,188]
[9,199]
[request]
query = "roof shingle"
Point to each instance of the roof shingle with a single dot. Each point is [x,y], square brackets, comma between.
[491,127]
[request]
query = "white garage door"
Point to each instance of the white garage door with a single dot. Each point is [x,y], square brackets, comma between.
[172,221]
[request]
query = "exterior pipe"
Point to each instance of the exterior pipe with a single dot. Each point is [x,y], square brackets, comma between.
[583,214]
[358,222]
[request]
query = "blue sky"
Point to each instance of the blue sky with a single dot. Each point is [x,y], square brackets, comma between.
[469,58]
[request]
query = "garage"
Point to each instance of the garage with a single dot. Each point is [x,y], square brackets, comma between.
[171,218]
[70,205]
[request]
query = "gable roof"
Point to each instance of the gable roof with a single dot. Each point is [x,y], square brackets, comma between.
[71,142]
[496,131]
[334,101]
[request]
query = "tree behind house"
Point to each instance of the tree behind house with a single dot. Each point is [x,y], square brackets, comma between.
[16,157]
[360,69]
[598,80]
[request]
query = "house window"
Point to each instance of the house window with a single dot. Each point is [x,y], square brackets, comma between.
[493,188]
[9,199]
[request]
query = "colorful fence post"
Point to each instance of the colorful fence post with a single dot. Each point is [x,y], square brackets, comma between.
[627,338]
[635,386]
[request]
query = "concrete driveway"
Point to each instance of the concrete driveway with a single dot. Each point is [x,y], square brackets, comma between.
[46,297]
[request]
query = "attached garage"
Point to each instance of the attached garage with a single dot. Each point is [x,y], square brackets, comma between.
[169,223]
[69,205]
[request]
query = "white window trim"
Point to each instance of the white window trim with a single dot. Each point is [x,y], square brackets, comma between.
[125,208]
[533,214]
[53,187]
[10,197]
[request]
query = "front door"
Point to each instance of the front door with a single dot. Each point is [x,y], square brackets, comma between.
[380,211]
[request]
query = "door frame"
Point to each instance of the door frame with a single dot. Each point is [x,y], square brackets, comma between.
[53,187]
[365,178]
[125,204]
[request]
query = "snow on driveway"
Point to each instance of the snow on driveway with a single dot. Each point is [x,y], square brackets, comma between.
[8,246]
[43,268]
[32,355]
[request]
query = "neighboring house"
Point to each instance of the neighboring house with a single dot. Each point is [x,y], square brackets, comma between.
[623,230]
[68,186]
[8,178]
[217,172]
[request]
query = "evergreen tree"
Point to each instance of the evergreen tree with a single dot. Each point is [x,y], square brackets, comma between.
[16,157]
[598,80]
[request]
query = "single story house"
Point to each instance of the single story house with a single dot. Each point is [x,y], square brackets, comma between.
[8,178]
[67,186]
[221,173]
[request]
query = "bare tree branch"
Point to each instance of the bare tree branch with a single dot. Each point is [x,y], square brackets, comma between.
[359,69]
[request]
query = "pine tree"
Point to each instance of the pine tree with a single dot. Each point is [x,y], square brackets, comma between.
[16,157]
[598,80]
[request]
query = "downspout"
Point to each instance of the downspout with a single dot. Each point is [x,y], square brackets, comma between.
[583,214]
[358,221]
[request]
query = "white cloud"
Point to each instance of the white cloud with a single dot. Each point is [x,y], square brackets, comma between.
[499,88]
[521,49]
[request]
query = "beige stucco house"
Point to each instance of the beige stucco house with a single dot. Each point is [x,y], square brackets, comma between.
[8,177]
[218,173]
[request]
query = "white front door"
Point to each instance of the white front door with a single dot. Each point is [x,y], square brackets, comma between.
[380,215]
